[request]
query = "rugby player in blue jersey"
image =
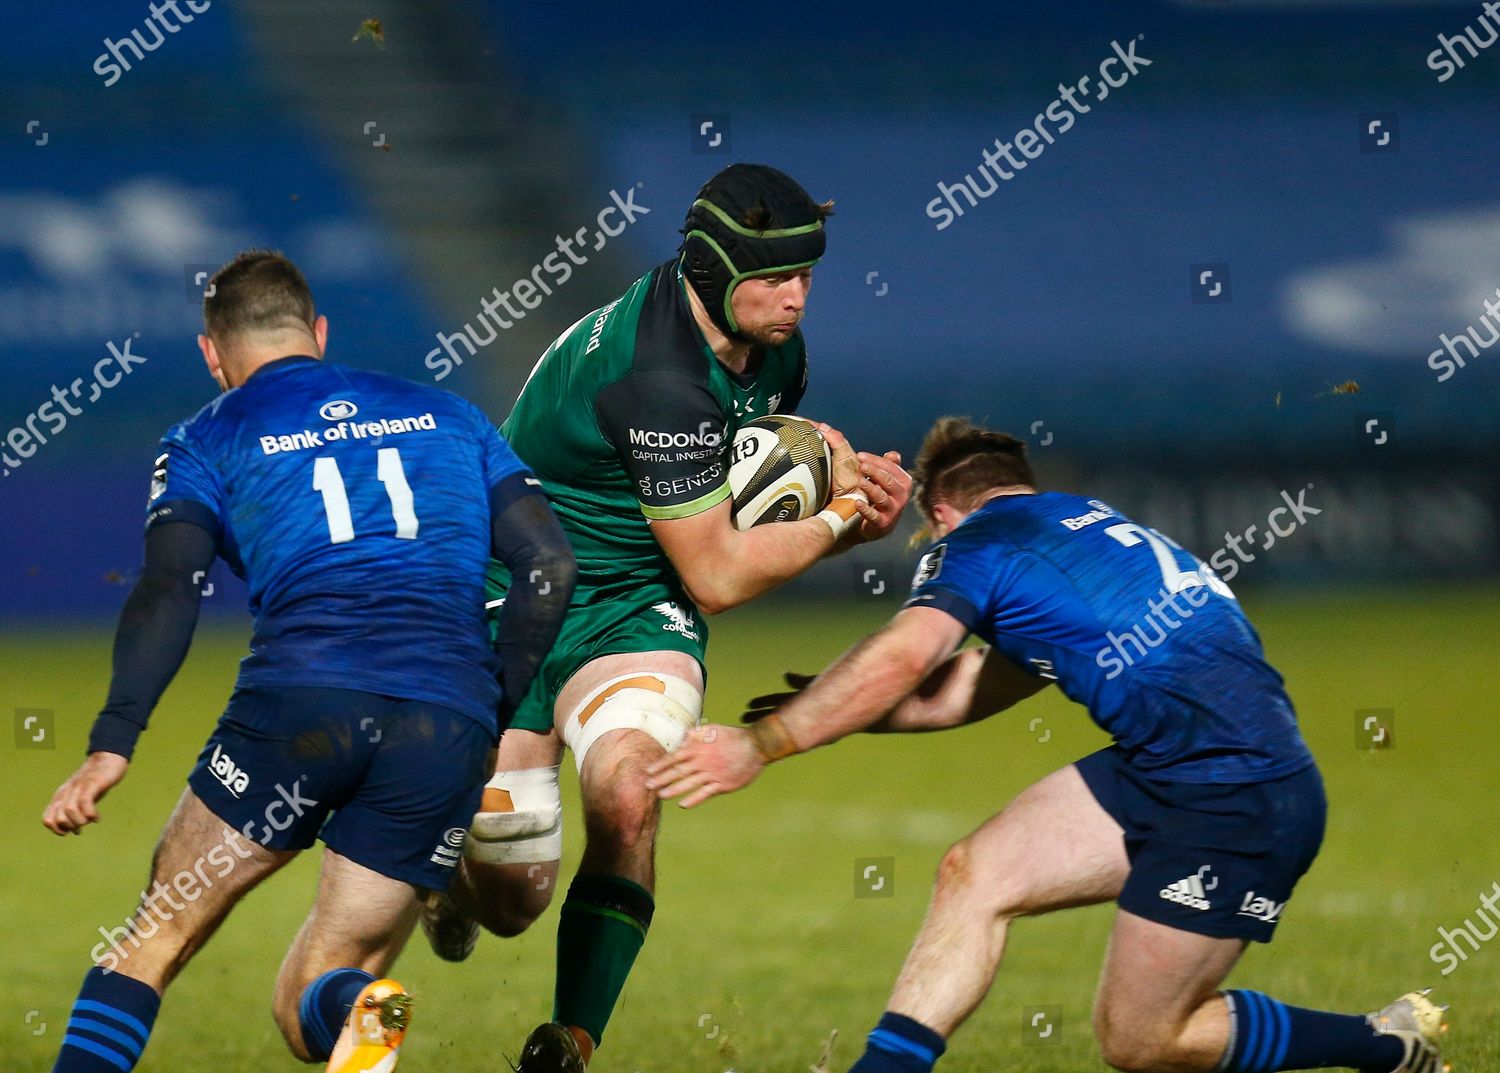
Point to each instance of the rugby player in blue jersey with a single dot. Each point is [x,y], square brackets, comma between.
[1198,821]
[362,511]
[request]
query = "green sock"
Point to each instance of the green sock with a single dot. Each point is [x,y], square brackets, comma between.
[603,928]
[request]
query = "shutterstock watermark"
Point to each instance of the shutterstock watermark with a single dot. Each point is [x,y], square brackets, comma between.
[529,291]
[875,877]
[26,436]
[112,63]
[191,883]
[1446,360]
[1470,932]
[1445,59]
[1041,1024]
[1184,591]
[1297,509]
[1055,120]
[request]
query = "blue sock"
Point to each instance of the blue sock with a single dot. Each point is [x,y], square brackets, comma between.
[900,1045]
[1268,1035]
[110,1025]
[325,1006]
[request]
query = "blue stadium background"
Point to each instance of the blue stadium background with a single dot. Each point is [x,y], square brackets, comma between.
[412,177]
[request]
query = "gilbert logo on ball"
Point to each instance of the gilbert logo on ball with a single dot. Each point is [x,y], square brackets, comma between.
[780,470]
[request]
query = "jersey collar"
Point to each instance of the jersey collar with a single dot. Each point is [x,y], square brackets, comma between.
[291,361]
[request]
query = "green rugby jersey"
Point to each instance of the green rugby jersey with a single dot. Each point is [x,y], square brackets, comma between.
[629,417]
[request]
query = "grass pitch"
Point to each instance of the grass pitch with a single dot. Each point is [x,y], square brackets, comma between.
[767,939]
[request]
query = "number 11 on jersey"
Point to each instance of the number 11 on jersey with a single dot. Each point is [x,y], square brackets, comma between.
[389,471]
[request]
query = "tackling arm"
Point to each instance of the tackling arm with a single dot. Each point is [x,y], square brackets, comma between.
[866,684]
[969,686]
[973,685]
[852,695]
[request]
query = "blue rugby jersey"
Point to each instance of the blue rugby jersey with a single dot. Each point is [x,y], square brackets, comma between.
[356,507]
[1129,624]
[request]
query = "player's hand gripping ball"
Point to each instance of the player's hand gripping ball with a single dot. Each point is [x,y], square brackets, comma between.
[780,470]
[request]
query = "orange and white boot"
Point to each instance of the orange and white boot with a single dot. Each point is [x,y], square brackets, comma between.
[374,1030]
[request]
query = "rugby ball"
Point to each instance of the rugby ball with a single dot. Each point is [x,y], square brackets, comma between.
[780,470]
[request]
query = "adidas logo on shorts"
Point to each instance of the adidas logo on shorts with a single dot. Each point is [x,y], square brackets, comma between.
[1191,891]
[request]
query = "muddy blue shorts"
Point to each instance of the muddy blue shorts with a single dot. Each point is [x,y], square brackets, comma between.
[391,784]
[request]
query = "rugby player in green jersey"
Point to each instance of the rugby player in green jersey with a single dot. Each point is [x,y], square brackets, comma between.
[627,420]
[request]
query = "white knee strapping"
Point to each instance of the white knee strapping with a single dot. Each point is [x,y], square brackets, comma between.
[660,705]
[519,819]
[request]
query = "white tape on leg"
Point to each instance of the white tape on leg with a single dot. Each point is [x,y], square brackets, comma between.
[519,819]
[660,705]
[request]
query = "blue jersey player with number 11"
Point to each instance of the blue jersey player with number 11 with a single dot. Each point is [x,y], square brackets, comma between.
[1197,822]
[362,510]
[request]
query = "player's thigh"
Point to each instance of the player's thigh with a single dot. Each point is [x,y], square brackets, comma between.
[361,919]
[205,861]
[1155,979]
[200,869]
[205,866]
[602,669]
[1051,848]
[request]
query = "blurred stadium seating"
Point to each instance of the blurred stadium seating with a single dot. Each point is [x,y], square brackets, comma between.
[411,178]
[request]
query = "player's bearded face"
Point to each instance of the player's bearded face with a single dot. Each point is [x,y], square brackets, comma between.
[769,308]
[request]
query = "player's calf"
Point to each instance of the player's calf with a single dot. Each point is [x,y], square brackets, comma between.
[617,730]
[1269,1035]
[504,899]
[1146,1047]
[1052,847]
[357,928]
[511,859]
[1159,1012]
[110,1025]
[311,1018]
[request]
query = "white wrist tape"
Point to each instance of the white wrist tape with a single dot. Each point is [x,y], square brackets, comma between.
[842,515]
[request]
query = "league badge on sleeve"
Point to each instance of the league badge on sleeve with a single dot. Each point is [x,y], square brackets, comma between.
[159,478]
[930,566]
